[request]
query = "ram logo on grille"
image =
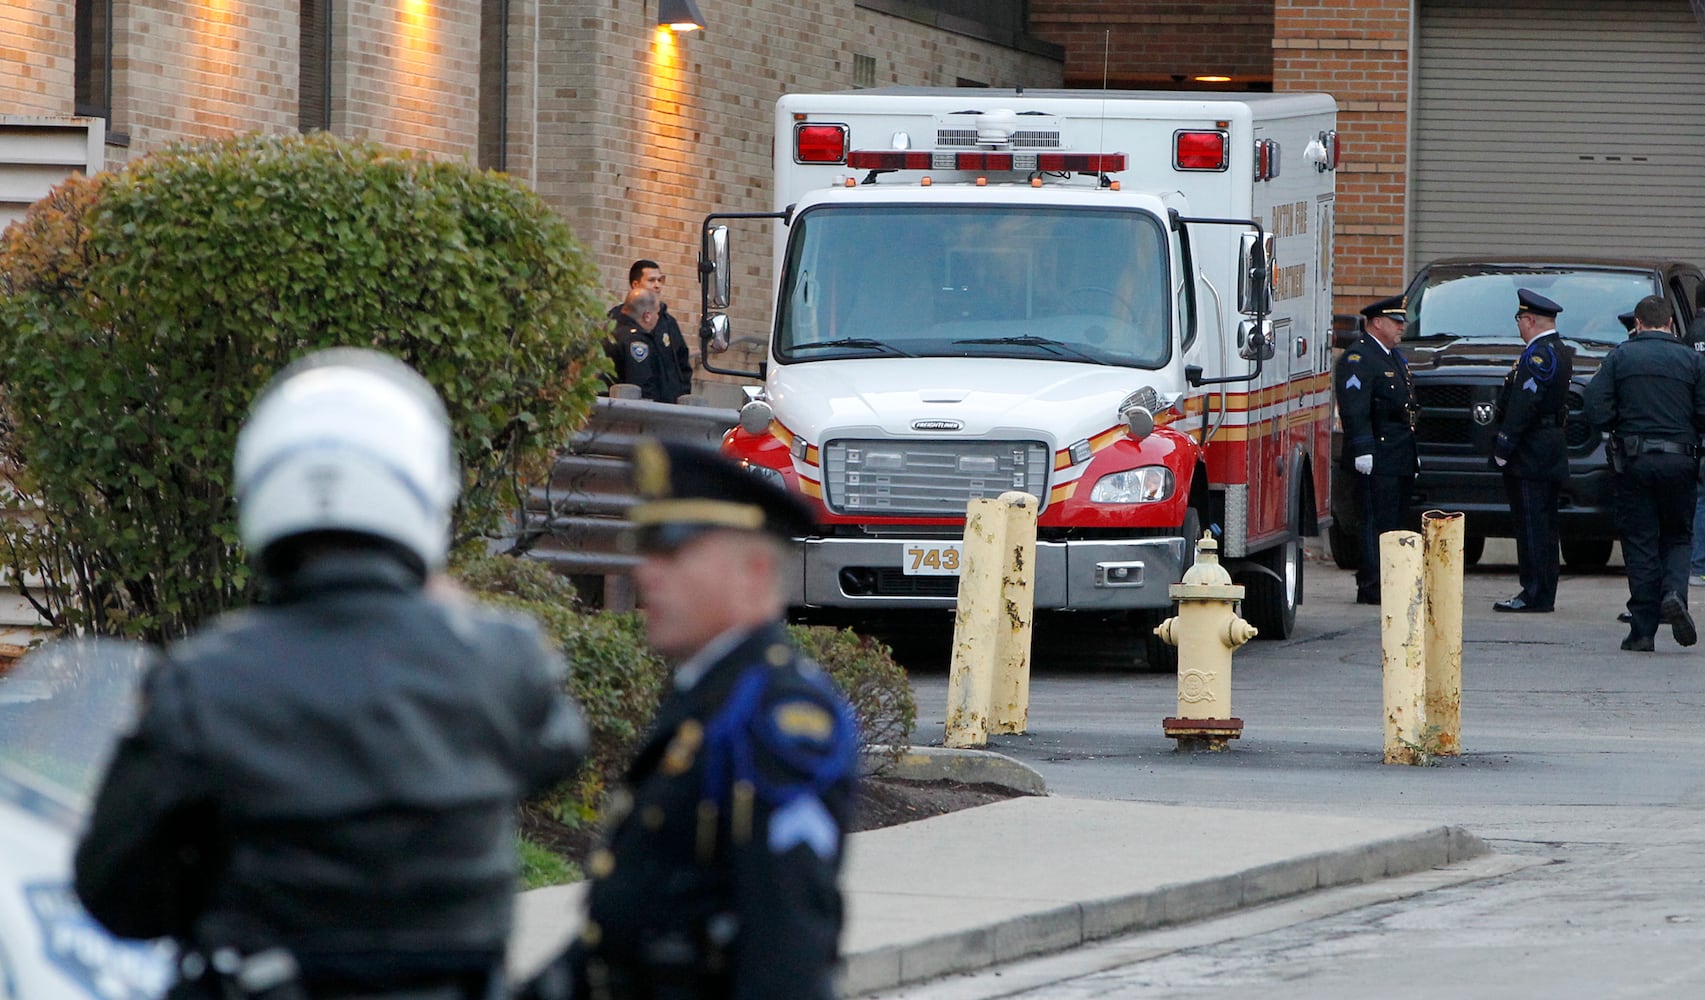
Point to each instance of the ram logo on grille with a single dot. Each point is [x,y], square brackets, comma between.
[1483,413]
[938,425]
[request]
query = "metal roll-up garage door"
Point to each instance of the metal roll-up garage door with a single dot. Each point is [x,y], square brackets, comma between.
[1558,126]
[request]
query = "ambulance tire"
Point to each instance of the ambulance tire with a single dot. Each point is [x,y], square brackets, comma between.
[1270,604]
[1473,548]
[1346,543]
[1158,655]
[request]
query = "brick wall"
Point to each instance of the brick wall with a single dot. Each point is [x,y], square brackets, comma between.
[36,57]
[1360,54]
[642,133]
[633,134]
[1158,43]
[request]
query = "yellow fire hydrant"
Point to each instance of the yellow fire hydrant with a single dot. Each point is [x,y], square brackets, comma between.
[1205,630]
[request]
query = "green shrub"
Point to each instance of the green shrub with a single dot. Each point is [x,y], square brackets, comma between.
[877,687]
[140,312]
[619,681]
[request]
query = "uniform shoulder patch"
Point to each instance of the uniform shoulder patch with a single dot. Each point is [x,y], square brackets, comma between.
[1353,357]
[803,719]
[639,350]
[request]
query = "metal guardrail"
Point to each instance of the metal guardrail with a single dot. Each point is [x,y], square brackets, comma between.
[576,521]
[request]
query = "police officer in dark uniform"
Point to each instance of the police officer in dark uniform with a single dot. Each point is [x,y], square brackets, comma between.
[643,352]
[1650,396]
[1531,450]
[719,874]
[318,796]
[648,275]
[1376,405]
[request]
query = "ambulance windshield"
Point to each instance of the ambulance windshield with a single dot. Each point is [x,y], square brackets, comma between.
[1075,285]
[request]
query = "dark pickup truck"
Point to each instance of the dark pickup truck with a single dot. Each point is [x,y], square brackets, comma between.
[1460,341]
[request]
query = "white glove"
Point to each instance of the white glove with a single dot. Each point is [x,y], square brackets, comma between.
[1364,464]
[1501,462]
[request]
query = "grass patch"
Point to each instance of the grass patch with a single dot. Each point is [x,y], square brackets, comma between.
[541,867]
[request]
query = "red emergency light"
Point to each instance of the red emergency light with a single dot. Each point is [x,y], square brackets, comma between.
[904,159]
[816,142]
[1266,159]
[1200,150]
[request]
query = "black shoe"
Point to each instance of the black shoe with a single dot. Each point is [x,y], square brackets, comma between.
[1626,617]
[1519,606]
[1673,612]
[1638,644]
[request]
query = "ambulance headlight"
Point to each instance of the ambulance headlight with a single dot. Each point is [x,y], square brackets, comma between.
[1147,484]
[765,473]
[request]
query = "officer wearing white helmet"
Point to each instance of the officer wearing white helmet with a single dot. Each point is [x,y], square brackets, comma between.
[318,796]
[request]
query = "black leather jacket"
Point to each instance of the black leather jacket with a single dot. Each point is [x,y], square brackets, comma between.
[337,773]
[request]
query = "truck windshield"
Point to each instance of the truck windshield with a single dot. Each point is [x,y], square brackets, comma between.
[908,281]
[1480,303]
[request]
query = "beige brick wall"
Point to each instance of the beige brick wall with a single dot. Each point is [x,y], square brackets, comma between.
[632,133]
[1360,54]
[407,73]
[647,133]
[36,57]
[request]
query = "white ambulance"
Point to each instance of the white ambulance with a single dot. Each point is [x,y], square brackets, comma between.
[1117,302]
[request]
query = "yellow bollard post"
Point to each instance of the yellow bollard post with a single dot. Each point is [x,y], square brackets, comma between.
[1443,585]
[1403,641]
[1010,712]
[970,677]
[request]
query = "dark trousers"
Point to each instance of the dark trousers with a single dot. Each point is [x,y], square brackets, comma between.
[1383,499]
[1654,514]
[1533,503]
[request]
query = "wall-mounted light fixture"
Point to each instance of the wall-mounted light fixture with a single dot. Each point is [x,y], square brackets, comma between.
[679,15]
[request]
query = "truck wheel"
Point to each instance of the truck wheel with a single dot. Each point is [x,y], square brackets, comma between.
[1271,605]
[1158,656]
[1586,553]
[1346,544]
[1472,549]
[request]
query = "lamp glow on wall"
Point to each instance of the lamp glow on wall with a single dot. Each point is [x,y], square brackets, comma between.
[679,15]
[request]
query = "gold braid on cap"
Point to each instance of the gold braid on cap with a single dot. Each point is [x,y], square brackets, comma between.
[650,469]
[722,513]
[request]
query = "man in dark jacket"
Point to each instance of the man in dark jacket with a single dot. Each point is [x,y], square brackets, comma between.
[670,367]
[718,879]
[1650,396]
[1531,450]
[1376,405]
[318,795]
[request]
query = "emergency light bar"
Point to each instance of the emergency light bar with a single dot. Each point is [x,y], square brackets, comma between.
[911,159]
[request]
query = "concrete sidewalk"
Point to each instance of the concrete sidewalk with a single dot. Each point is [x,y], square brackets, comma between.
[1039,874]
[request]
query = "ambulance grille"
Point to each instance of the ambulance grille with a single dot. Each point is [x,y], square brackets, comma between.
[932,477]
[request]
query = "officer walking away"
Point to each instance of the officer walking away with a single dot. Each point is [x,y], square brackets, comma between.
[636,347]
[318,796]
[1650,396]
[1531,450]
[1376,404]
[671,347]
[719,874]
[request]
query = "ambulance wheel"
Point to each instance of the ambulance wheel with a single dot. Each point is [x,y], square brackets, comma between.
[1269,603]
[1472,549]
[1346,544]
[1158,656]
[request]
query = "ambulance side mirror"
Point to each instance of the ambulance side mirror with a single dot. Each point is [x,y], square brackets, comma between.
[715,269]
[1255,340]
[1255,274]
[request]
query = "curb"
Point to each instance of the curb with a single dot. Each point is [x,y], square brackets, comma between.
[969,767]
[1067,926]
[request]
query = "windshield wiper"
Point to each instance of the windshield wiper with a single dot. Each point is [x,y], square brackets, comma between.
[1058,347]
[857,343]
